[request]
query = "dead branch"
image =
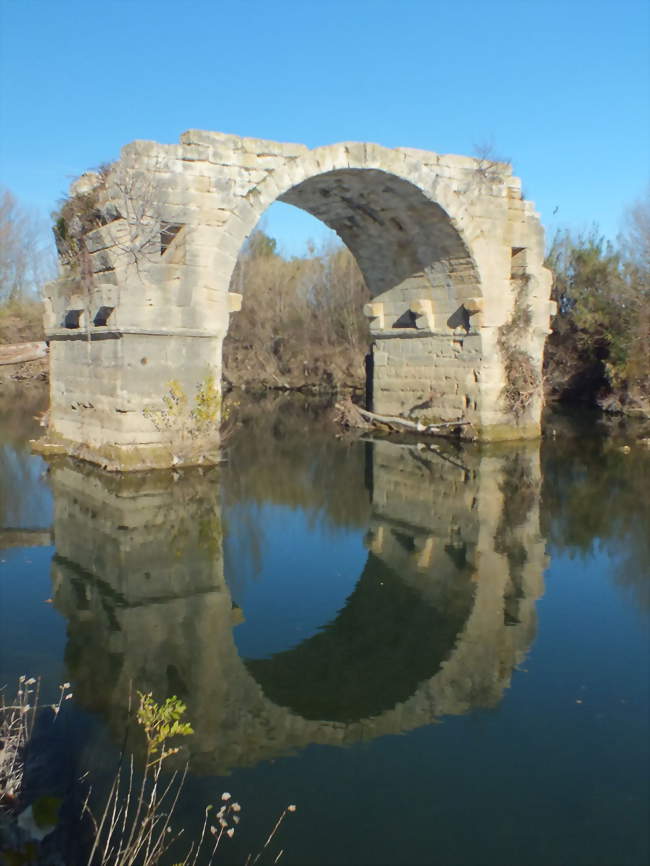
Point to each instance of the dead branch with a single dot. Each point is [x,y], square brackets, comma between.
[354,416]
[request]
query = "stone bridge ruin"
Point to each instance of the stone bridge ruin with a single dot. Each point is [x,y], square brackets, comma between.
[451,252]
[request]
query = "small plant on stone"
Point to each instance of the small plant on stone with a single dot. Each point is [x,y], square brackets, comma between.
[207,406]
[522,380]
[191,424]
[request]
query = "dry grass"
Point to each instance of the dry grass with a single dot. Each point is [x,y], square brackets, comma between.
[301,320]
[21,321]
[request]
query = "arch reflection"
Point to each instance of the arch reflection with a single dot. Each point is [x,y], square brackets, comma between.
[440,615]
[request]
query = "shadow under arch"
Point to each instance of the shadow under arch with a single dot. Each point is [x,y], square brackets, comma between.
[385,641]
[399,236]
[418,268]
[408,247]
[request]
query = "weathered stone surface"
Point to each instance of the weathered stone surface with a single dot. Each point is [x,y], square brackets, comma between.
[444,243]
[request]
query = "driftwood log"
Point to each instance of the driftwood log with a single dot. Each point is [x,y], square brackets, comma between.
[19,353]
[351,415]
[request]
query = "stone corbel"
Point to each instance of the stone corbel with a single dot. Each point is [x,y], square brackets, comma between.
[234,302]
[374,540]
[423,311]
[474,307]
[426,552]
[375,312]
[49,316]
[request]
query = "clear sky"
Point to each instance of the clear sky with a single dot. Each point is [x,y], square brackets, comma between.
[559,86]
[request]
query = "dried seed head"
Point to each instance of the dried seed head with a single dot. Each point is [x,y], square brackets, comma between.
[226,795]
[292,807]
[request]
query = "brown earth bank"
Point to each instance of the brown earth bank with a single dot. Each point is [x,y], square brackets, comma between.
[18,378]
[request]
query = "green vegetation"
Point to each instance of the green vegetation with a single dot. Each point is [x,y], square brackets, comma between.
[599,351]
[191,423]
[134,827]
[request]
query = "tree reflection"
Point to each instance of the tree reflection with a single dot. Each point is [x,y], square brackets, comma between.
[595,496]
[21,490]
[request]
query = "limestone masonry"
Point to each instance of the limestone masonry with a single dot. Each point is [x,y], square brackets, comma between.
[450,251]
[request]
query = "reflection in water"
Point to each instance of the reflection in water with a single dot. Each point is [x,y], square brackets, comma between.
[595,494]
[24,501]
[440,615]
[320,591]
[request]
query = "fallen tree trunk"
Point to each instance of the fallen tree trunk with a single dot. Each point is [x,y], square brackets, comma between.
[352,415]
[19,353]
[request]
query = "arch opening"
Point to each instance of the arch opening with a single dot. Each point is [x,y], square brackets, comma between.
[420,281]
[399,237]
[388,638]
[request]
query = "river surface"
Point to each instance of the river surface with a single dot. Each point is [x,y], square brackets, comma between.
[440,656]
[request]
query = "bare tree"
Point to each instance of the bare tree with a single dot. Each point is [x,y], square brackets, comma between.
[490,162]
[635,240]
[25,260]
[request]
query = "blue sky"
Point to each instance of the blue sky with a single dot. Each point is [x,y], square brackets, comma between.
[559,86]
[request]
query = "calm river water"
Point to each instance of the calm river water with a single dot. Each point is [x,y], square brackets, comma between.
[440,656]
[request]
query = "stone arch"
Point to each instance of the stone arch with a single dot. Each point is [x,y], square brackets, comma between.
[439,238]
[390,224]
[405,229]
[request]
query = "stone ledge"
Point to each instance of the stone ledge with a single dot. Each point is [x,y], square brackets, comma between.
[124,458]
[418,333]
[116,333]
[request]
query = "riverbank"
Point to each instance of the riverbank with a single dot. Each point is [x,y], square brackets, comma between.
[25,376]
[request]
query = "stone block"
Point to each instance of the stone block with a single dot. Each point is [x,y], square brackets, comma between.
[423,310]
[85,184]
[195,153]
[234,302]
[375,312]
[474,305]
